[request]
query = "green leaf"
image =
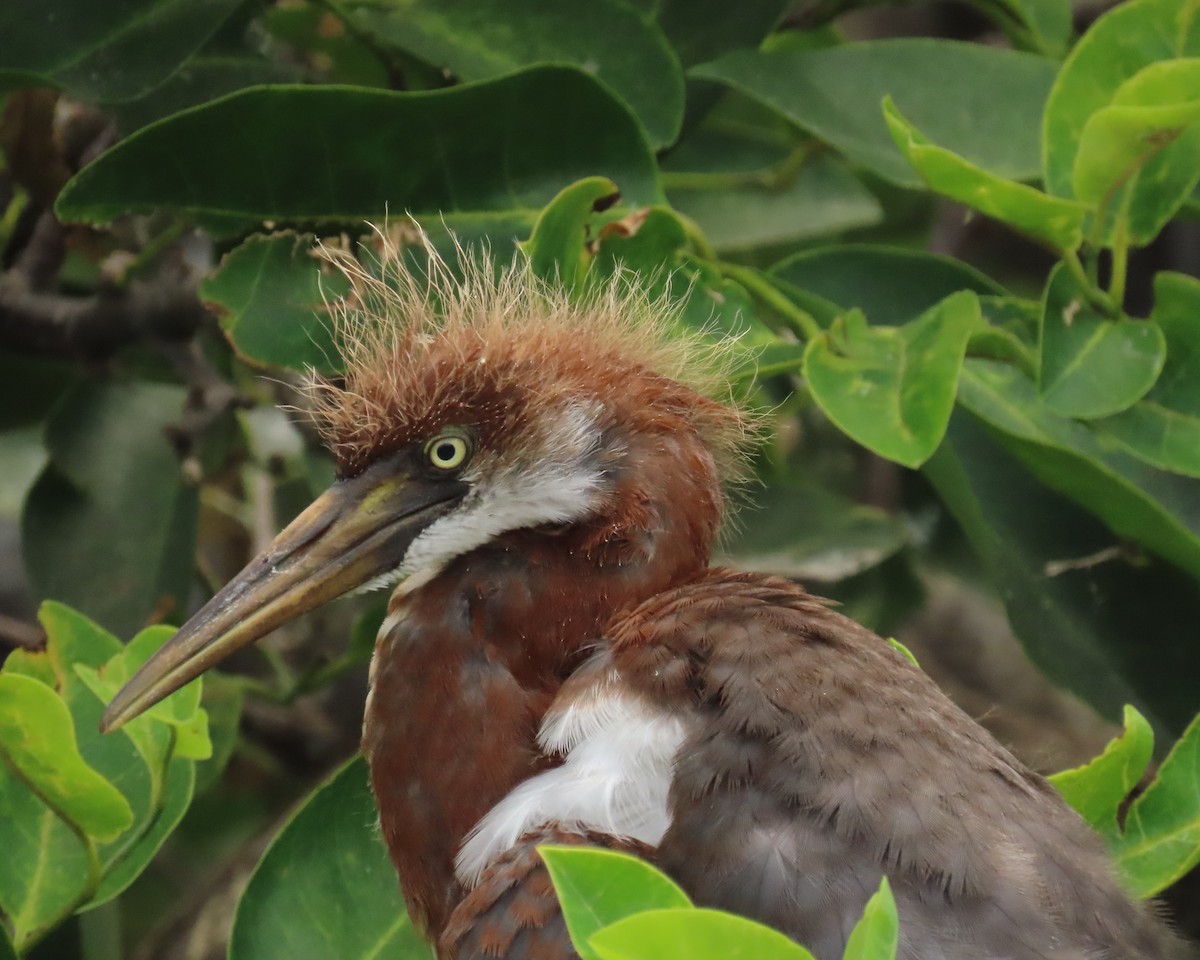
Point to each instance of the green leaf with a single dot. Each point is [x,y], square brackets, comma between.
[1091,366]
[270,296]
[104,51]
[903,651]
[1097,789]
[598,887]
[702,29]
[892,389]
[476,40]
[1162,829]
[800,529]
[877,935]
[558,248]
[820,199]
[686,934]
[1139,157]
[1041,25]
[7,950]
[222,701]
[37,740]
[890,285]
[344,154]
[325,887]
[1054,221]
[1092,621]
[1164,428]
[835,94]
[1124,40]
[110,525]
[1153,508]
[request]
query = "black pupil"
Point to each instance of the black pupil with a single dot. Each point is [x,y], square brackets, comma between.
[444,452]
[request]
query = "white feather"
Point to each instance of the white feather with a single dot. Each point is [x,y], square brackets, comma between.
[619,760]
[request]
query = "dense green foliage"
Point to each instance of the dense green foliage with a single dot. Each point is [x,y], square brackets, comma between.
[779,180]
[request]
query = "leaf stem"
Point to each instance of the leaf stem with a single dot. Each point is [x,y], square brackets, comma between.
[801,321]
[775,177]
[1120,262]
[1096,298]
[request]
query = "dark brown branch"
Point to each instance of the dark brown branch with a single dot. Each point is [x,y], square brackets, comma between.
[94,326]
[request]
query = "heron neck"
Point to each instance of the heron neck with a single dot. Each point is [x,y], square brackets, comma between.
[466,665]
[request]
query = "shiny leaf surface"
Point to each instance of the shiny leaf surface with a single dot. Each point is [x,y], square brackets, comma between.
[835,95]
[104,51]
[1056,222]
[475,40]
[325,887]
[270,294]
[1162,829]
[1123,41]
[110,524]
[693,935]
[599,887]
[1091,366]
[502,145]
[1164,427]
[890,285]
[1151,507]
[1097,789]
[892,389]
[876,936]
[37,740]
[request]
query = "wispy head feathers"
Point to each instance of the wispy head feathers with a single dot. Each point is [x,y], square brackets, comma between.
[490,348]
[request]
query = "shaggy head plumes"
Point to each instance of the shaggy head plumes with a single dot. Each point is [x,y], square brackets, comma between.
[497,350]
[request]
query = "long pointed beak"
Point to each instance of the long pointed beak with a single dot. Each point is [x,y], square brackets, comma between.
[357,530]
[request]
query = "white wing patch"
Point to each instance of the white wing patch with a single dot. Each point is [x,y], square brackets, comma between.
[619,758]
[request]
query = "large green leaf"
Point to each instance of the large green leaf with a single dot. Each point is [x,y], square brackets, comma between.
[801,529]
[270,294]
[835,94]
[110,525]
[1139,157]
[325,887]
[598,887]
[877,935]
[820,199]
[1091,366]
[116,50]
[890,285]
[1124,40]
[1097,789]
[1093,622]
[1164,428]
[684,934]
[1054,221]
[892,389]
[477,40]
[345,153]
[1162,829]
[1157,509]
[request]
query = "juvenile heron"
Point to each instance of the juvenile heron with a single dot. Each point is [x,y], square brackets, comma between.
[540,482]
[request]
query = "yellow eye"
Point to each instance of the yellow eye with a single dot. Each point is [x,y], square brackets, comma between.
[447,452]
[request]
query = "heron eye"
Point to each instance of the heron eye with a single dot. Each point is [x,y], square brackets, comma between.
[447,452]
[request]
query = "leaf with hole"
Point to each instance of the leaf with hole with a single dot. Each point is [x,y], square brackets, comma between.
[1161,841]
[1097,788]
